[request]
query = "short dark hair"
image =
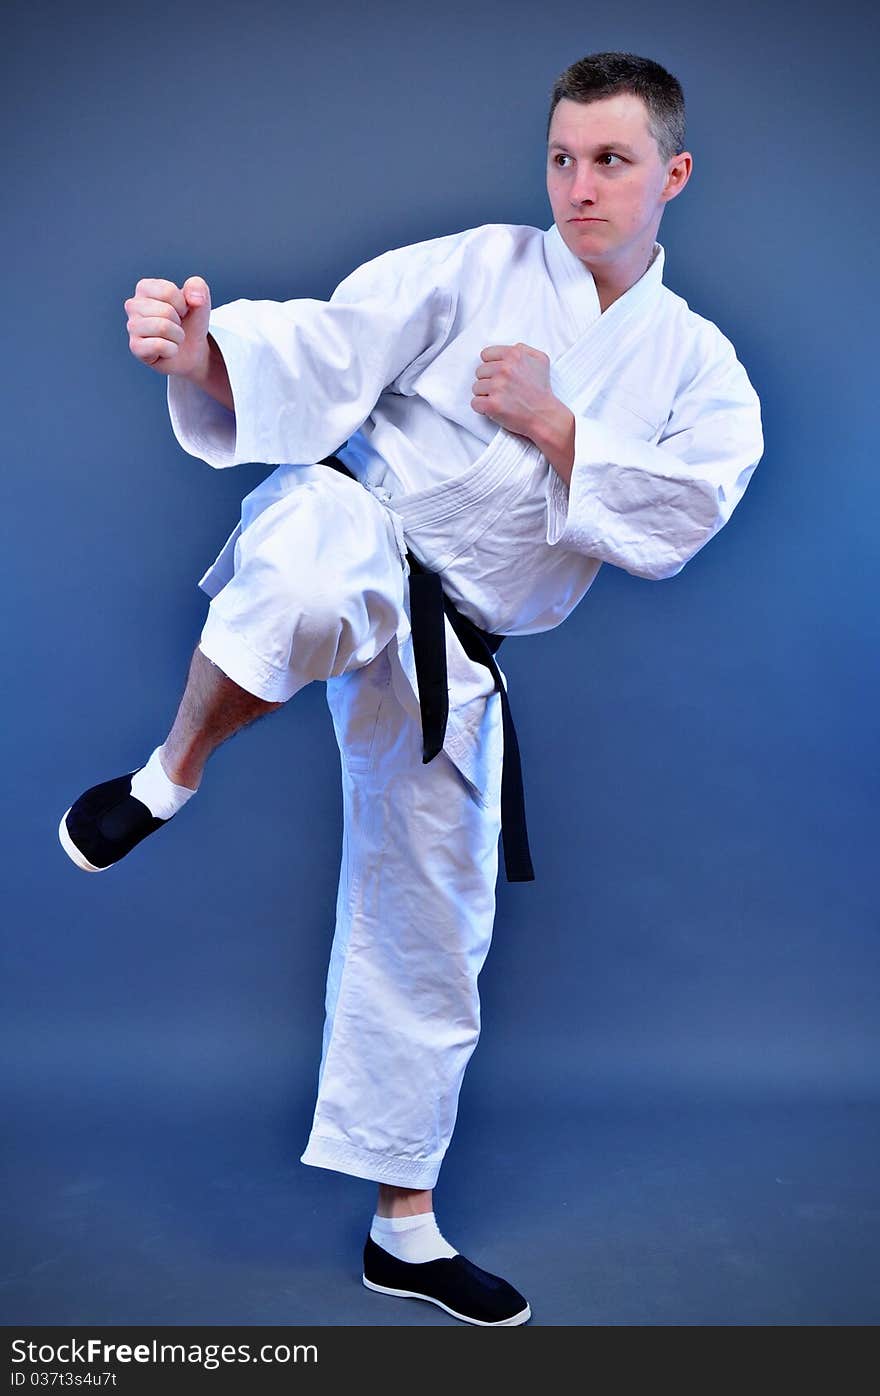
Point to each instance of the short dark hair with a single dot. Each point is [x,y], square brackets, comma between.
[604,74]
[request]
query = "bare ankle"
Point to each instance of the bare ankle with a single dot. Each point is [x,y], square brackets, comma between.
[185,770]
[403,1202]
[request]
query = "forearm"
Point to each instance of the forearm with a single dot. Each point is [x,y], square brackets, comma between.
[212,377]
[552,431]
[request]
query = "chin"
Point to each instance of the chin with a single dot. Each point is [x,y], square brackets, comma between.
[582,238]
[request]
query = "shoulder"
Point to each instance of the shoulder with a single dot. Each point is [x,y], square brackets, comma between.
[493,242]
[445,267]
[438,270]
[708,353]
[692,326]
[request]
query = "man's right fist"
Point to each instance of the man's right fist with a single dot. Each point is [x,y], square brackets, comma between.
[168,325]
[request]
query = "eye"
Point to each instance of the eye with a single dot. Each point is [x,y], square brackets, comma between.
[609,155]
[560,157]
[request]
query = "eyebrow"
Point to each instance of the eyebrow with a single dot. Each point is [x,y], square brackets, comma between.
[609,145]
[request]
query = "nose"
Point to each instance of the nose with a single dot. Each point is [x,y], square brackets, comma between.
[583,187]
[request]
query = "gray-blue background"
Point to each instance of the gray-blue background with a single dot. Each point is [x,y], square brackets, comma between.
[696,965]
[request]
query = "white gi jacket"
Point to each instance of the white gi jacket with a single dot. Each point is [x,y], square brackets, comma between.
[668,427]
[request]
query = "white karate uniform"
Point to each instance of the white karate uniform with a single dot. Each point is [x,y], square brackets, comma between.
[311,584]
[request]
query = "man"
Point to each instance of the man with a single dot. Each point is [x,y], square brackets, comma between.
[516,406]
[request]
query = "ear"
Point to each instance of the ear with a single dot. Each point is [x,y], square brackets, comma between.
[677,175]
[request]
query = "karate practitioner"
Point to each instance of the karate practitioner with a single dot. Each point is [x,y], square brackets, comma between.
[497,411]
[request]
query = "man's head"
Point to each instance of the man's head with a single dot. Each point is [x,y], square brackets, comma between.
[615,153]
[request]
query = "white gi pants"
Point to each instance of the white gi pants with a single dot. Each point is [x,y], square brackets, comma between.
[316,593]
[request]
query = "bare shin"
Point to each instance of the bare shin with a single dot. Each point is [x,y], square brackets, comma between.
[213,707]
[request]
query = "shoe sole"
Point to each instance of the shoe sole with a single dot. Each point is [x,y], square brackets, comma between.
[71,849]
[521,1317]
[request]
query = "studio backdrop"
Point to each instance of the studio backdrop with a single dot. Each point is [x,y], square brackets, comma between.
[699,753]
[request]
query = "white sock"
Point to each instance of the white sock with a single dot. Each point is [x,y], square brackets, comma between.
[155,789]
[411,1238]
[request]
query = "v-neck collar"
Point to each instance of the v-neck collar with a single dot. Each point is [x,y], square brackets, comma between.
[577,289]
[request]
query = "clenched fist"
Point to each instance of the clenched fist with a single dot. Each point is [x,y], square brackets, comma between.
[168,325]
[512,386]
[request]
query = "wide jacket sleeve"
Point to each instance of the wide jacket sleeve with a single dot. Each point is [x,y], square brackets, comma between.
[649,507]
[305,374]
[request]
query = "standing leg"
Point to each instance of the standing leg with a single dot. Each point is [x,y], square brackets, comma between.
[414,917]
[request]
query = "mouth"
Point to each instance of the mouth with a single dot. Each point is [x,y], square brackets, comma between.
[586,220]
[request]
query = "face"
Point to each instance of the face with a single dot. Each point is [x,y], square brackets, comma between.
[603,164]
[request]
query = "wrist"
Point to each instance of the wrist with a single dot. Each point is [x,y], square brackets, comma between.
[553,434]
[210,374]
[200,372]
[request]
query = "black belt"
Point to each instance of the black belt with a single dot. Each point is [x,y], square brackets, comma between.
[428,602]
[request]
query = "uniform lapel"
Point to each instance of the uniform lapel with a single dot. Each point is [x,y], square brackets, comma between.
[572,282]
[574,374]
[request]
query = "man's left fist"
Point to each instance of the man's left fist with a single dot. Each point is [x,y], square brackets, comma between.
[512,386]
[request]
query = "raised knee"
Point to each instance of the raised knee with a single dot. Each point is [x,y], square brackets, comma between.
[323,611]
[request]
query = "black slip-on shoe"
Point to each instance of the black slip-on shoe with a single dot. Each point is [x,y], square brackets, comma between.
[454,1283]
[104,824]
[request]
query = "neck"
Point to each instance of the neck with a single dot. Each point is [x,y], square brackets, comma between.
[613,282]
